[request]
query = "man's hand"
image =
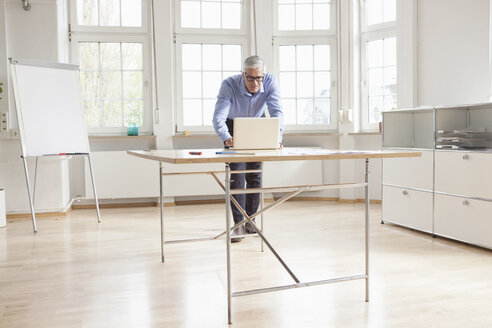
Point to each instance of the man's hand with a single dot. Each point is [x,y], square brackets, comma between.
[229,142]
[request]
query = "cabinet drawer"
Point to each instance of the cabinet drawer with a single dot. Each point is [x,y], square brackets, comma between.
[467,220]
[412,172]
[410,208]
[464,173]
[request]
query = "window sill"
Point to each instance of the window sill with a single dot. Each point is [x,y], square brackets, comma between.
[95,137]
[120,143]
[368,133]
[286,134]
[195,135]
[312,134]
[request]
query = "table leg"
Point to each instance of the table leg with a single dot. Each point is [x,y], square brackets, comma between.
[161,205]
[367,226]
[228,240]
[262,196]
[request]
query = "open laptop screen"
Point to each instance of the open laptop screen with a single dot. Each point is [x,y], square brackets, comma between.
[256,133]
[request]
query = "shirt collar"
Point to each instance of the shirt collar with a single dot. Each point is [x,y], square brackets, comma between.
[243,87]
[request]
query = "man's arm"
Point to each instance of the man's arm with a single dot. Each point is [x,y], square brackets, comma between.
[222,107]
[274,105]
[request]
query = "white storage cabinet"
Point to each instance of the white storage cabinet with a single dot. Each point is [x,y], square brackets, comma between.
[448,191]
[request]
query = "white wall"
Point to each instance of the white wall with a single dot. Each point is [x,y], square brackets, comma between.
[4,102]
[453,51]
[445,60]
[52,188]
[31,34]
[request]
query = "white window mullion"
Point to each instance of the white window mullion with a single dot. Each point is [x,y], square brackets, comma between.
[121,15]
[123,116]
[201,86]
[221,21]
[101,103]
[297,86]
[314,89]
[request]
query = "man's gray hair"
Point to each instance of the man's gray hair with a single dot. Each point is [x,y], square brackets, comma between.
[253,62]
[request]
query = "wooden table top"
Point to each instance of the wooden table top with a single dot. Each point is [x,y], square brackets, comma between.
[183,156]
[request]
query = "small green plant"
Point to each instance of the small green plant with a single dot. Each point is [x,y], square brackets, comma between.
[1,90]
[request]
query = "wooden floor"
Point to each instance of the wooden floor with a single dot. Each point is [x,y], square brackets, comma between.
[77,273]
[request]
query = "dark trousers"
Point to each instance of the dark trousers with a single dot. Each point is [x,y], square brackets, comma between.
[249,202]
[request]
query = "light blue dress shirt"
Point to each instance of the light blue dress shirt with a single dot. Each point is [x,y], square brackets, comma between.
[235,101]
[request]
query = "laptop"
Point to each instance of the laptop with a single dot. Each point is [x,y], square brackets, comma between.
[256,133]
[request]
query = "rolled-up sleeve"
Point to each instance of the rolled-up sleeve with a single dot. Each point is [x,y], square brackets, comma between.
[274,104]
[222,107]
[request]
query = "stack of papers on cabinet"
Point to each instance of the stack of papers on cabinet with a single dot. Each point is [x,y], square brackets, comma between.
[462,139]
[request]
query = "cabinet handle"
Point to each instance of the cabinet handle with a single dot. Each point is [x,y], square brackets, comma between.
[466,203]
[405,192]
[465,157]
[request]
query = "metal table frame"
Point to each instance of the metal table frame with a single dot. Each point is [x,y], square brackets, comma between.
[291,192]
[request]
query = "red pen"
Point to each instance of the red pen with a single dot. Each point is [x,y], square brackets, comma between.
[195,152]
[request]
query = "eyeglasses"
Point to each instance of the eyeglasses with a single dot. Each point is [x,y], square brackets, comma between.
[258,79]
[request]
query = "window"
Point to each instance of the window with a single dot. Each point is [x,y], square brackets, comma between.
[203,68]
[211,14]
[305,61]
[111,76]
[213,38]
[304,14]
[304,17]
[305,80]
[381,77]
[211,43]
[110,43]
[380,11]
[109,13]
[378,58]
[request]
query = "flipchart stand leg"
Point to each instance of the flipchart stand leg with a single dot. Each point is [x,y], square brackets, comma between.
[35,180]
[29,194]
[94,188]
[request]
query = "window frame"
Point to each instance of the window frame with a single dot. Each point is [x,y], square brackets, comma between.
[204,36]
[209,31]
[75,27]
[146,128]
[371,33]
[114,34]
[332,42]
[201,39]
[331,31]
[373,27]
[367,37]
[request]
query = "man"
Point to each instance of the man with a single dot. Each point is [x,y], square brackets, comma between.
[246,95]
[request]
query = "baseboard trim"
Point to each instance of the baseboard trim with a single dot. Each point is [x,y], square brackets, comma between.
[360,200]
[199,201]
[39,215]
[176,203]
[121,205]
[330,199]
